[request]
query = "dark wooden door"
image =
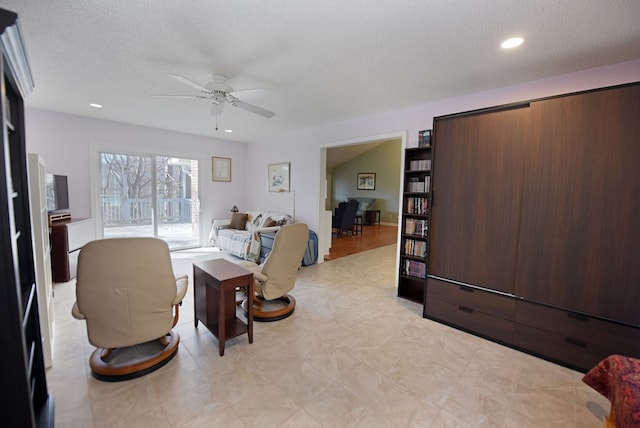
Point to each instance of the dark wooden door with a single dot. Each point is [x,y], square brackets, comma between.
[478,169]
[580,233]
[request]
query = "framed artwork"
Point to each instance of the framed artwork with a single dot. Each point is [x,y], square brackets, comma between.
[220,169]
[366,181]
[424,138]
[279,177]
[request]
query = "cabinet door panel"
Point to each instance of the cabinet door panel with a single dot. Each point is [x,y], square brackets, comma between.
[478,170]
[579,246]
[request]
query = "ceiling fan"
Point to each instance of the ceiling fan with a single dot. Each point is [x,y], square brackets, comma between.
[218,92]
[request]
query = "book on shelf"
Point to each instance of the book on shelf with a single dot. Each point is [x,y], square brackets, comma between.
[414,268]
[415,248]
[418,184]
[420,165]
[417,205]
[414,226]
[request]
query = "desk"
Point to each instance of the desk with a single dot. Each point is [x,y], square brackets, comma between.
[214,299]
[372,217]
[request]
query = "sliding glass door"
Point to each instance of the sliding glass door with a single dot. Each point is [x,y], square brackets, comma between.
[150,195]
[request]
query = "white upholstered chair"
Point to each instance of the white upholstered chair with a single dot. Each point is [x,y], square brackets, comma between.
[128,295]
[276,276]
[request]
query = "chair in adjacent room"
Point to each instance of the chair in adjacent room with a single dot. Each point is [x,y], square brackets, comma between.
[127,293]
[337,217]
[345,220]
[276,276]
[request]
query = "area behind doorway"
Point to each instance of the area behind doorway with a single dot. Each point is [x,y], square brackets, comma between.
[371,237]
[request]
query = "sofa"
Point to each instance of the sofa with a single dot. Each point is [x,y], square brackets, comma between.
[241,234]
[364,204]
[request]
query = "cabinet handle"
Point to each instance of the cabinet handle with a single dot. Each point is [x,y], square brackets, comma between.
[467,289]
[576,342]
[577,316]
[465,309]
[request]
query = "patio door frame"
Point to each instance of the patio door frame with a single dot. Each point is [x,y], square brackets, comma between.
[96,182]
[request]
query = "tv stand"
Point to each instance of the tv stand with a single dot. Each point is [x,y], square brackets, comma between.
[67,237]
[59,216]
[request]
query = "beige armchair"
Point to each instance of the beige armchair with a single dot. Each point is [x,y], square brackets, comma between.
[276,276]
[128,295]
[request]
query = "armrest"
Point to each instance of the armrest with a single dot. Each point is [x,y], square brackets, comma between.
[255,269]
[182,281]
[220,223]
[217,224]
[76,312]
[266,229]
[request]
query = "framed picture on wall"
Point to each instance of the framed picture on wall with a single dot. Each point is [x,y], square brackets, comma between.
[279,177]
[366,181]
[220,169]
[424,138]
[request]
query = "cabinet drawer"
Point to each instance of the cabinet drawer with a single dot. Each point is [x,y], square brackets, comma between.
[565,349]
[469,319]
[597,334]
[484,301]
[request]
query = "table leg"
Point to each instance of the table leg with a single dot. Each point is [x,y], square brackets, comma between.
[222,328]
[250,295]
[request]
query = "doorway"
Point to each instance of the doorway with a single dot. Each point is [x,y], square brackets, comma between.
[389,201]
[149,195]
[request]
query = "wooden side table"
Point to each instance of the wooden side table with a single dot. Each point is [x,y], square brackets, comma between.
[214,292]
[371,217]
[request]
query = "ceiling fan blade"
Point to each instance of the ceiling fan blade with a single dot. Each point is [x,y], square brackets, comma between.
[180,96]
[253,109]
[189,82]
[249,94]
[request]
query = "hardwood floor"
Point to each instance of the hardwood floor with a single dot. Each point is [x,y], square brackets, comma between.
[371,237]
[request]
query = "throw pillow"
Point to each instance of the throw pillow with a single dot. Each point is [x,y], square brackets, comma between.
[270,222]
[239,221]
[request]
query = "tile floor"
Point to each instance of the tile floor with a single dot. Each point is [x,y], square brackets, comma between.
[352,355]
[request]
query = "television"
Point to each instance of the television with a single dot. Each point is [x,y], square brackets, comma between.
[57,191]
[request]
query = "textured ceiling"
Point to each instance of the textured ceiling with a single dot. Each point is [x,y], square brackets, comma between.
[320,61]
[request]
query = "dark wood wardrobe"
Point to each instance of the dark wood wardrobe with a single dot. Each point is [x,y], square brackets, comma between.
[534,232]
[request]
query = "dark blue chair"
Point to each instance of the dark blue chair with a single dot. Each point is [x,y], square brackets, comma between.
[345,218]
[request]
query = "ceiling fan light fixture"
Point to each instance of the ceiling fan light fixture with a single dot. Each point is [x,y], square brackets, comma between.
[219,93]
[511,43]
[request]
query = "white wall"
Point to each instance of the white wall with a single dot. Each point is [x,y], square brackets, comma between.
[66,143]
[302,148]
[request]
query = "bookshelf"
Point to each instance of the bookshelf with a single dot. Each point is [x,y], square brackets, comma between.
[27,402]
[414,242]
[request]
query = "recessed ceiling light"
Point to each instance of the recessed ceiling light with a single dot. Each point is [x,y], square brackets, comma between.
[94,105]
[228,130]
[512,43]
